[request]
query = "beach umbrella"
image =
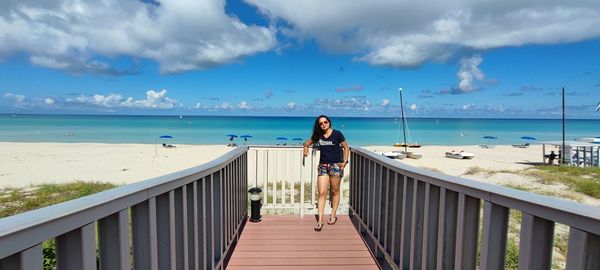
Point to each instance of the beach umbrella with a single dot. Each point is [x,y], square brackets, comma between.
[297,139]
[488,137]
[231,136]
[245,137]
[161,137]
[281,139]
[528,138]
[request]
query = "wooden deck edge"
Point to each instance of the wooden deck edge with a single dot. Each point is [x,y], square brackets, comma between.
[234,243]
[382,261]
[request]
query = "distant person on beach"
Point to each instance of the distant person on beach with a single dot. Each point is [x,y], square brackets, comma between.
[333,160]
[551,157]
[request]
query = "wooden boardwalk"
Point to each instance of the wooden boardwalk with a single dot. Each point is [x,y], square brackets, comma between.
[289,242]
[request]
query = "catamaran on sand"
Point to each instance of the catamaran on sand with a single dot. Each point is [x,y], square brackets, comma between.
[404,131]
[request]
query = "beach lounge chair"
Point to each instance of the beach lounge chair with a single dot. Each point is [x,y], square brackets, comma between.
[394,155]
[460,155]
[525,145]
[486,146]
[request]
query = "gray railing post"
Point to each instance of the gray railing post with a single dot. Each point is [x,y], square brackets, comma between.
[584,249]
[145,250]
[29,259]
[495,228]
[535,243]
[113,236]
[76,250]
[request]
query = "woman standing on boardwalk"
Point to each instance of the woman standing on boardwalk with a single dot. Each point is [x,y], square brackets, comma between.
[331,165]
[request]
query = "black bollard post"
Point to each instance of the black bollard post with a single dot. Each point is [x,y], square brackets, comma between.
[255,204]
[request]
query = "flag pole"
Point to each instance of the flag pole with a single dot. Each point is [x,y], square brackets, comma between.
[563,153]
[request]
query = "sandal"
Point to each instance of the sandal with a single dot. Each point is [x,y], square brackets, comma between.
[330,219]
[318,227]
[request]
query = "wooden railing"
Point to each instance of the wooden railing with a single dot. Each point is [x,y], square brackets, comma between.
[410,218]
[185,220]
[418,219]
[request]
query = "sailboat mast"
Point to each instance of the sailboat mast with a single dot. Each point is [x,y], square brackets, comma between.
[403,119]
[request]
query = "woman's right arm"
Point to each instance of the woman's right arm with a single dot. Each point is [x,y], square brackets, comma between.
[307,143]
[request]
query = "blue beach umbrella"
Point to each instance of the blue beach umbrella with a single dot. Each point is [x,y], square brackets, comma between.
[161,137]
[281,139]
[231,136]
[488,137]
[528,138]
[297,139]
[245,137]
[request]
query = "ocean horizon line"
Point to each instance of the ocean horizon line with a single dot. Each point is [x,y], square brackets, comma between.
[292,116]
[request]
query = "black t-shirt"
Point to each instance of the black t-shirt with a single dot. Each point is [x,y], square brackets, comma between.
[331,150]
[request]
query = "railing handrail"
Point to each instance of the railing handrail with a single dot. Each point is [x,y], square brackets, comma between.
[21,231]
[584,217]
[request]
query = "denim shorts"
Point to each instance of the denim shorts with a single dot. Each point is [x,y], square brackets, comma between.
[331,169]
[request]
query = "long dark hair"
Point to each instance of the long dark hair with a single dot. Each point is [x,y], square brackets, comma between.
[317,131]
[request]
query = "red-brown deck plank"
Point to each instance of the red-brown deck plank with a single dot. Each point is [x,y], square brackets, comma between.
[289,242]
[303,267]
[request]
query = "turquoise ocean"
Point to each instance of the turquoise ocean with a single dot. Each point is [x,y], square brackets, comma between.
[265,130]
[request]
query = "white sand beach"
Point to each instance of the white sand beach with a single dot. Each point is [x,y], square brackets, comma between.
[22,164]
[501,157]
[503,161]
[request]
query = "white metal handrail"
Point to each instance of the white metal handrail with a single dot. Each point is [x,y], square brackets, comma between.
[188,219]
[288,180]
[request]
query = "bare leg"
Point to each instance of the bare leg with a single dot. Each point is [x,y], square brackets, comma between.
[322,185]
[335,192]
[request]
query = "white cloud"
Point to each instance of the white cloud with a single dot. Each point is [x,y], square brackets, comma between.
[291,105]
[153,100]
[468,107]
[385,102]
[412,107]
[355,88]
[49,101]
[243,105]
[180,35]
[223,106]
[197,106]
[16,98]
[469,71]
[406,34]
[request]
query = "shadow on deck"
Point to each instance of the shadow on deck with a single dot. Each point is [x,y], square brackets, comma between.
[289,242]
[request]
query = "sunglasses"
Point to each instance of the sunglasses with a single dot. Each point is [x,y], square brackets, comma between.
[324,123]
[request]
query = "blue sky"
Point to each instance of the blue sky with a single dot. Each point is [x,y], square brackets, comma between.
[344,58]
